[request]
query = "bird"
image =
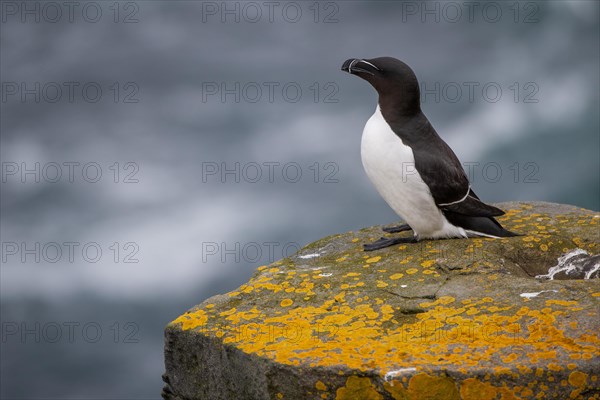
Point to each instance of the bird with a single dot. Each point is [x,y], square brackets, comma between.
[411,166]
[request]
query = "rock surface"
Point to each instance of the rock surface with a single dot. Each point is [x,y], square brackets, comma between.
[446,319]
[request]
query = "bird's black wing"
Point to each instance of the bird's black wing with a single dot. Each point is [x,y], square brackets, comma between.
[473,207]
[443,173]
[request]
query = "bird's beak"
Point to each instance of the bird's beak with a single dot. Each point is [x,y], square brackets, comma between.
[354,65]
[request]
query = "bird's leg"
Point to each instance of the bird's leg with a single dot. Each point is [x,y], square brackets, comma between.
[396,229]
[387,242]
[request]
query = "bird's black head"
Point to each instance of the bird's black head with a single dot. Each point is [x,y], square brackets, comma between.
[395,82]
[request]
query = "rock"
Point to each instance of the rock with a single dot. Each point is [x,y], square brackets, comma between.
[446,319]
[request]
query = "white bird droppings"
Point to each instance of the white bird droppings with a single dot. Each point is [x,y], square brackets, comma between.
[535,294]
[310,256]
[398,372]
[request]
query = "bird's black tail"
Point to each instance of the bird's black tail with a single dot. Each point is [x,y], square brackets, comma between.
[482,225]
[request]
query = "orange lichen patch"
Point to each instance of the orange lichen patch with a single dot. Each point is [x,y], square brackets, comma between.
[578,242]
[485,334]
[358,388]
[527,392]
[396,276]
[427,263]
[320,386]
[554,367]
[396,390]
[510,358]
[412,271]
[373,259]
[442,300]
[286,302]
[523,369]
[474,389]
[225,313]
[577,378]
[191,320]
[473,311]
[246,289]
[565,303]
[429,387]
[573,325]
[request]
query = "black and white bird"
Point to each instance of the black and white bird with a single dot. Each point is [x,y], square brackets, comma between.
[412,168]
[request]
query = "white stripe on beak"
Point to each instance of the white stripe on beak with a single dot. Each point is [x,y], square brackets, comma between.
[366,62]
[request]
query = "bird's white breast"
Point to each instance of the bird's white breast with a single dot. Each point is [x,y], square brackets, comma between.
[390,165]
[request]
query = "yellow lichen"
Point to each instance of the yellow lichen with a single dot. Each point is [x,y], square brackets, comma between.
[565,303]
[396,390]
[554,367]
[577,378]
[474,389]
[427,387]
[286,302]
[358,388]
